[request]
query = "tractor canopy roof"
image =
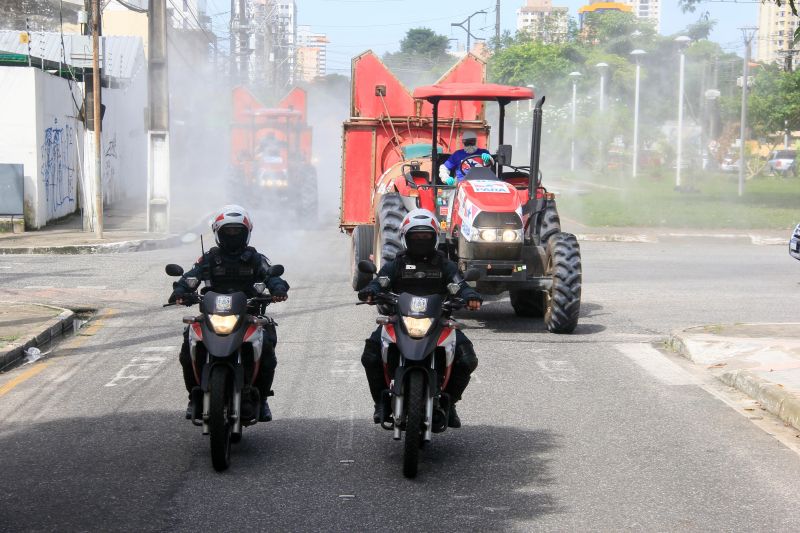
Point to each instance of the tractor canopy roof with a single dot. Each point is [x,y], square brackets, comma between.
[473,91]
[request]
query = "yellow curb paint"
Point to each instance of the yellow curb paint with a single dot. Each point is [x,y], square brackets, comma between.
[94,326]
[28,374]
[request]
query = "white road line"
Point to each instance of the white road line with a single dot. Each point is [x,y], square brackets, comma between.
[39,287]
[139,368]
[91,287]
[151,349]
[656,364]
[556,370]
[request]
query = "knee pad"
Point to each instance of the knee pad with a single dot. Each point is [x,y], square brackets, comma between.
[466,357]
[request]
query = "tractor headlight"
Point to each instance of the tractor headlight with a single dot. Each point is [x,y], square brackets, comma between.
[417,327]
[499,235]
[270,183]
[223,324]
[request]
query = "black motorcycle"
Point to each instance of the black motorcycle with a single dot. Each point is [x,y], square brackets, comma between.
[225,342]
[418,344]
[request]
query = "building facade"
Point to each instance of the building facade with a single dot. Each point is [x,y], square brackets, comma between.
[311,53]
[776,26]
[649,10]
[542,21]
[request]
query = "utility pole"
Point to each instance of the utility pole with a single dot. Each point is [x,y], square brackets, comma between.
[497,26]
[747,34]
[158,178]
[97,121]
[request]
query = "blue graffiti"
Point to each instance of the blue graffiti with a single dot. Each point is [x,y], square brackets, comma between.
[58,170]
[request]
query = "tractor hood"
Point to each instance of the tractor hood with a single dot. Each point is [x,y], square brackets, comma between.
[490,195]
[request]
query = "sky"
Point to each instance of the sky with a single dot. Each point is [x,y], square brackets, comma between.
[353,26]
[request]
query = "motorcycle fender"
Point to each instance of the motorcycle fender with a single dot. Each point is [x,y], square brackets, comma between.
[403,371]
[388,337]
[195,336]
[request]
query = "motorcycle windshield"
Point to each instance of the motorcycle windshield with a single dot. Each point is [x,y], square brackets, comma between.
[418,307]
[215,303]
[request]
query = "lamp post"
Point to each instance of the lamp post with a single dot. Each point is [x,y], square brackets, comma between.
[574,75]
[682,42]
[530,112]
[603,67]
[636,55]
[467,28]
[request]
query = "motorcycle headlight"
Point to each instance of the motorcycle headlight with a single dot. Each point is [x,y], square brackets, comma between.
[417,327]
[223,324]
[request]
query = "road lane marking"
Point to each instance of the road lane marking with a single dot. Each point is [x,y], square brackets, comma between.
[138,369]
[556,370]
[160,349]
[39,287]
[656,364]
[22,377]
[91,287]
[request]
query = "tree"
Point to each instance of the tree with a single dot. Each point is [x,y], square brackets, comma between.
[691,5]
[774,98]
[424,42]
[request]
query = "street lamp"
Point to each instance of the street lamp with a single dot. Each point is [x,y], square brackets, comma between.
[574,75]
[682,42]
[707,130]
[467,28]
[530,112]
[602,67]
[637,54]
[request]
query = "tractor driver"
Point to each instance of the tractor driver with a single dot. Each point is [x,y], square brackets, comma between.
[468,157]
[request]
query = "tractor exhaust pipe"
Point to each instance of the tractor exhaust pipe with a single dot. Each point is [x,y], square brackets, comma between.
[536,147]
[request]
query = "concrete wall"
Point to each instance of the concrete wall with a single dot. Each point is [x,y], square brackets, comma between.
[39,129]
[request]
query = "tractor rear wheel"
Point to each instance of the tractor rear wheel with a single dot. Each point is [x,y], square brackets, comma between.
[564,297]
[528,303]
[360,249]
[391,212]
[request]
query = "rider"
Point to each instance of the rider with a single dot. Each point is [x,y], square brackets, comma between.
[233,266]
[421,270]
[467,155]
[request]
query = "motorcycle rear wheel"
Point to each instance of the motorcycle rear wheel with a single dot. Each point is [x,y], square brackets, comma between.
[219,424]
[415,423]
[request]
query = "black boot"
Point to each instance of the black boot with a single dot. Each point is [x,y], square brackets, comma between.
[453,421]
[376,415]
[189,410]
[265,414]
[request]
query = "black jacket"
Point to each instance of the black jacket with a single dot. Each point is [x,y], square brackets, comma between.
[229,273]
[422,277]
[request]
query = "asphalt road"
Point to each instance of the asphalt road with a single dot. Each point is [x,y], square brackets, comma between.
[598,430]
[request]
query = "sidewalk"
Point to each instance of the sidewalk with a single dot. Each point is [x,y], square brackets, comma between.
[23,326]
[760,360]
[124,231]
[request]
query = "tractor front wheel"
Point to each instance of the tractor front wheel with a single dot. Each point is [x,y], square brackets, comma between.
[564,298]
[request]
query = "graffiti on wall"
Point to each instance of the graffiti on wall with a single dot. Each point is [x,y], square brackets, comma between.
[58,169]
[110,163]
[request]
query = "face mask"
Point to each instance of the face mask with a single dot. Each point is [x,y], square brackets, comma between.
[233,243]
[419,248]
[470,149]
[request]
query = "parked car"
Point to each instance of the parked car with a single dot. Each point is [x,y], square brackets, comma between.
[794,243]
[729,165]
[783,162]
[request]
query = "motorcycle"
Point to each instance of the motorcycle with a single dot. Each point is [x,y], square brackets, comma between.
[418,344]
[226,399]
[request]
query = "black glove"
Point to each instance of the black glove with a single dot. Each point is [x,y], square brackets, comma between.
[175,295]
[365,293]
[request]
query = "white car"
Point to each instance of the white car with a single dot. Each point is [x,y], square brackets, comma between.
[794,243]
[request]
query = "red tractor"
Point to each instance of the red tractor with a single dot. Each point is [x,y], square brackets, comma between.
[498,220]
[271,152]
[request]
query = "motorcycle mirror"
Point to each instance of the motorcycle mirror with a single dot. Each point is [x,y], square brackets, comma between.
[260,287]
[276,271]
[174,270]
[192,283]
[384,282]
[367,267]
[453,288]
[473,274]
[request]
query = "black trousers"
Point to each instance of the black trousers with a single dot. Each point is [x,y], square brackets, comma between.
[464,363]
[266,372]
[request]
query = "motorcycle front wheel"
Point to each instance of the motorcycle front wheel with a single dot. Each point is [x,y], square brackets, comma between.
[218,422]
[415,423]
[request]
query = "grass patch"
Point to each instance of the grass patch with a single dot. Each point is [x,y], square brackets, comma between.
[710,201]
[8,338]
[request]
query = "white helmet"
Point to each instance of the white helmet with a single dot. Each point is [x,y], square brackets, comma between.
[421,222]
[232,217]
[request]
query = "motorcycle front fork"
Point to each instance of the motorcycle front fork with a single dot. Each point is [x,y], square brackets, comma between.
[397,410]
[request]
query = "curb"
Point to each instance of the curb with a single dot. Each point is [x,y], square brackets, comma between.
[773,397]
[51,330]
[756,240]
[137,245]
